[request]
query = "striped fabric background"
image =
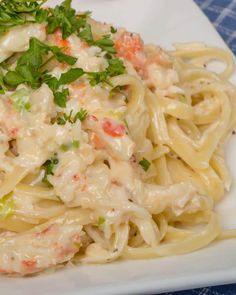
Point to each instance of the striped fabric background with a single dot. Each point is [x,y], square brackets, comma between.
[222,14]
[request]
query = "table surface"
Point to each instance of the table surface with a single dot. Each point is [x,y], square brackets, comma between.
[222,14]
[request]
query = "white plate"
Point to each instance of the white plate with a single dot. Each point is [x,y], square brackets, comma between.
[163,22]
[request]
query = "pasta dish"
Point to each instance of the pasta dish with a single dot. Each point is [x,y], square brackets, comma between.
[110,148]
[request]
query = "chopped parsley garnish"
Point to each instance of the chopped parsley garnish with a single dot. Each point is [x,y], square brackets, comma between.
[81,115]
[106,44]
[145,164]
[113,30]
[68,146]
[34,55]
[60,97]
[28,69]
[63,16]
[115,67]
[19,12]
[97,77]
[48,167]
[71,76]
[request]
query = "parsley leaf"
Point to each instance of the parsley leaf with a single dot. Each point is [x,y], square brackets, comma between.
[145,164]
[106,44]
[64,16]
[67,146]
[34,55]
[86,34]
[13,78]
[97,77]
[113,30]
[60,97]
[51,81]
[41,15]
[70,76]
[48,167]
[61,57]
[15,12]
[116,67]
[28,69]
[81,115]
[37,49]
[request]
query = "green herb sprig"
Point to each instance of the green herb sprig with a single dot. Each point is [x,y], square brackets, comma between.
[30,66]
[48,167]
[63,16]
[81,115]
[74,144]
[19,12]
[145,164]
[28,69]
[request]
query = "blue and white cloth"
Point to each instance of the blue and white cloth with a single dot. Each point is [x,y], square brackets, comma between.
[222,14]
[220,290]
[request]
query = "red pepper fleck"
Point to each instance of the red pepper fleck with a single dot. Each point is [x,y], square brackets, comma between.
[113,129]
[76,177]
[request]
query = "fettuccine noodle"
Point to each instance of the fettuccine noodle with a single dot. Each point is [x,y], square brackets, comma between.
[138,176]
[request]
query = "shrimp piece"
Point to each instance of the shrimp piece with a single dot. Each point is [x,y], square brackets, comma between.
[156,55]
[63,43]
[44,246]
[131,47]
[96,141]
[158,70]
[112,128]
[77,90]
[112,135]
